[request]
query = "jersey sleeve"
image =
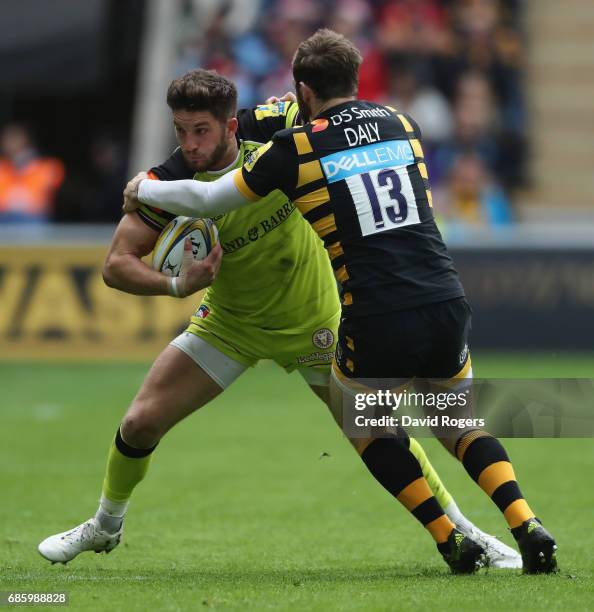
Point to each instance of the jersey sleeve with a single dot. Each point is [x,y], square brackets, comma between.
[273,166]
[172,169]
[262,122]
[410,125]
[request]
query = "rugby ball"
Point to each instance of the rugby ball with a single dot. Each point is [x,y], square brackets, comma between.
[169,248]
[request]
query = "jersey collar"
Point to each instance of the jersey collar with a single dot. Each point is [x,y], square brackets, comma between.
[234,164]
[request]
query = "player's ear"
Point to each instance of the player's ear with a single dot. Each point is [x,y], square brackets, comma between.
[232,125]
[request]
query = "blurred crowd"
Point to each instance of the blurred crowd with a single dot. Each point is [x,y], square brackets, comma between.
[36,189]
[28,181]
[456,66]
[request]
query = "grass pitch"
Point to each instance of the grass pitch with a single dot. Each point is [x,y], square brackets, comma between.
[257,502]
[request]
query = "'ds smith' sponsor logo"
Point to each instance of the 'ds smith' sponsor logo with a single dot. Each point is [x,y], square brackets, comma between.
[349,114]
[389,154]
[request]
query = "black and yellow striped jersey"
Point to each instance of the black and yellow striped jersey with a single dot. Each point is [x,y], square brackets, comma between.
[358,175]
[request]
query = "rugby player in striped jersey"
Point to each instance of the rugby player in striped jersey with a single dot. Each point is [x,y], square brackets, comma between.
[275,297]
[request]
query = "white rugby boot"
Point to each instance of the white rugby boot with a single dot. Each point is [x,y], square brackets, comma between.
[63,547]
[497,553]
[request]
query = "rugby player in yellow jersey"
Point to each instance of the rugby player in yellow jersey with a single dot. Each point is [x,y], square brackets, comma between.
[288,311]
[356,171]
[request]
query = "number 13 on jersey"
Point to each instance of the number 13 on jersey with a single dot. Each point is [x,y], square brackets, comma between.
[384,199]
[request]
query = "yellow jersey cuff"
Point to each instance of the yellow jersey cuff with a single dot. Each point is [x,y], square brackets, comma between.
[243,188]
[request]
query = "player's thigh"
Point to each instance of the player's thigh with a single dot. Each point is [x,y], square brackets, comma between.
[335,400]
[318,379]
[457,387]
[188,374]
[322,392]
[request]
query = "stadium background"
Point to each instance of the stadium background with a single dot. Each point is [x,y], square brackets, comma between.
[502,92]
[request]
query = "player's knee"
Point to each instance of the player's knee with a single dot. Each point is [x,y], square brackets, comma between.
[140,429]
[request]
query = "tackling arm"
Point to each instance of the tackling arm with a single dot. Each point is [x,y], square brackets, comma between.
[194,198]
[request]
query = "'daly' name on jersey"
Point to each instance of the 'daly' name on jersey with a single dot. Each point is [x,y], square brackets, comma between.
[357,173]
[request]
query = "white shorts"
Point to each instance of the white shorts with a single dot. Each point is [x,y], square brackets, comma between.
[224,370]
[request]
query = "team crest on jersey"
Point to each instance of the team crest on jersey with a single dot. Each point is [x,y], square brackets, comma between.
[255,155]
[249,158]
[323,338]
[202,312]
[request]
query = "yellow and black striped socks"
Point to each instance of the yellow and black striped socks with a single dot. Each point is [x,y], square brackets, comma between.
[488,465]
[395,467]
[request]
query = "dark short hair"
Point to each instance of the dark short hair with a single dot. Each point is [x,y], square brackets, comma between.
[203,90]
[329,64]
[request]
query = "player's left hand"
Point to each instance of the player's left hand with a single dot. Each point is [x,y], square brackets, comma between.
[195,275]
[131,202]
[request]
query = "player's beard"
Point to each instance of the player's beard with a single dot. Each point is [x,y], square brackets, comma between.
[215,158]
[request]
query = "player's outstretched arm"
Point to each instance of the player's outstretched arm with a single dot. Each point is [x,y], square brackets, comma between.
[124,269]
[188,197]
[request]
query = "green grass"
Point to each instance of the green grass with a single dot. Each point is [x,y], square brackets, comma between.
[241,511]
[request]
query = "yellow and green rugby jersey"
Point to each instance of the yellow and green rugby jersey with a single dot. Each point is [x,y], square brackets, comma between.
[275,272]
